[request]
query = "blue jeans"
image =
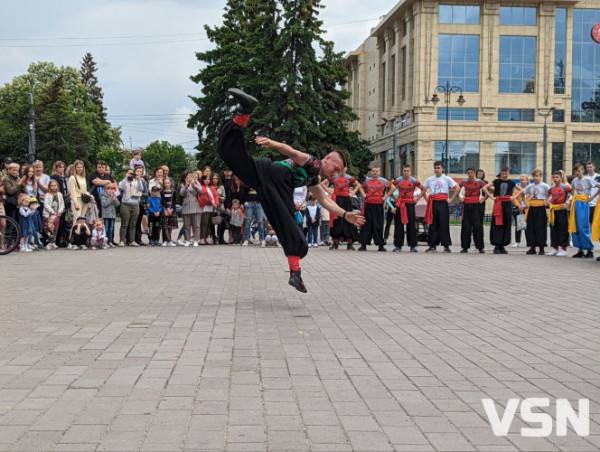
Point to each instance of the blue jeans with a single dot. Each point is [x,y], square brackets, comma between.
[255,210]
[313,233]
[109,225]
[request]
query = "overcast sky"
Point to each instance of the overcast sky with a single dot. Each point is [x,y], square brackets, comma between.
[145,51]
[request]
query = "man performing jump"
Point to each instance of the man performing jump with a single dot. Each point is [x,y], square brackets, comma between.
[275,181]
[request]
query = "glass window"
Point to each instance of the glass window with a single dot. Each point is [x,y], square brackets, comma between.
[459,14]
[558,116]
[517,15]
[514,114]
[393,84]
[383,80]
[586,68]
[584,152]
[520,157]
[459,61]
[558,157]
[461,155]
[458,114]
[403,87]
[517,64]
[560,51]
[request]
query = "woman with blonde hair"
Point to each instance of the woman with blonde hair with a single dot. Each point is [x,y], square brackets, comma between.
[78,191]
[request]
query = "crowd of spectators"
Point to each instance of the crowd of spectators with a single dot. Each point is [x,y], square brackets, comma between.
[73,209]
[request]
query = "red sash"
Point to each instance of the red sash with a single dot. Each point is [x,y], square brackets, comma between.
[401,203]
[429,212]
[498,208]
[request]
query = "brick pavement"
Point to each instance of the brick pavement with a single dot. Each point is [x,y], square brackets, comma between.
[208,349]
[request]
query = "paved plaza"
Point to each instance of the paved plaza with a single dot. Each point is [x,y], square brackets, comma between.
[209,349]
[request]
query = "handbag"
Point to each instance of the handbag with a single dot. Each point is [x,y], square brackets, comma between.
[521,224]
[217,219]
[85,198]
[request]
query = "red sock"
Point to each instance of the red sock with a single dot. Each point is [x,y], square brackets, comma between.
[336,241]
[294,262]
[241,120]
[556,248]
[349,241]
[564,248]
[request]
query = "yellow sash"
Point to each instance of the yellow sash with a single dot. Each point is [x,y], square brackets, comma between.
[534,203]
[553,207]
[572,217]
[596,225]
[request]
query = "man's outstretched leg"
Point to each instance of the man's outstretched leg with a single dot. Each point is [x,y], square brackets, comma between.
[232,143]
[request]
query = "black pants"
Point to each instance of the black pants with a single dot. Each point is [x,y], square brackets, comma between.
[537,229]
[273,183]
[154,224]
[472,224]
[500,235]
[389,219]
[373,227]
[138,223]
[439,230]
[559,232]
[80,239]
[592,210]
[517,232]
[411,227]
[342,229]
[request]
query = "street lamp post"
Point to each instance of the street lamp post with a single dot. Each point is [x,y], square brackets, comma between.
[447,90]
[545,113]
[385,120]
[31,147]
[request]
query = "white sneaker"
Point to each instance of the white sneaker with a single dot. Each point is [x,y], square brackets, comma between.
[195,243]
[186,243]
[69,246]
[180,243]
[105,247]
[515,245]
[93,247]
[121,244]
[263,243]
[82,247]
[164,243]
[28,250]
[561,253]
[552,253]
[172,244]
[245,243]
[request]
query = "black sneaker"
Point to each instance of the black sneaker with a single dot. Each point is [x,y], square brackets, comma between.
[247,102]
[464,250]
[334,246]
[481,251]
[531,251]
[447,249]
[589,255]
[541,252]
[497,251]
[578,254]
[363,248]
[381,248]
[350,247]
[296,281]
[430,249]
[503,250]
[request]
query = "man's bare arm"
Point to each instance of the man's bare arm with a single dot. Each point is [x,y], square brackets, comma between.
[299,158]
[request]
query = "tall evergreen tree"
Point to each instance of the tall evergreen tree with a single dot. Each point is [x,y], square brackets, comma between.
[89,79]
[267,48]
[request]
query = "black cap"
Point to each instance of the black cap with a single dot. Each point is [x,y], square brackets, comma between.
[155,188]
[8,160]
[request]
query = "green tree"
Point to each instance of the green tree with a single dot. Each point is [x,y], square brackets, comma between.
[267,48]
[89,79]
[160,153]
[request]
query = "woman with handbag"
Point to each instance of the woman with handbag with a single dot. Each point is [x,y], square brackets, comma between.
[78,191]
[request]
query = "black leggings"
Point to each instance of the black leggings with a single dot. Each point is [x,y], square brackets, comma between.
[273,183]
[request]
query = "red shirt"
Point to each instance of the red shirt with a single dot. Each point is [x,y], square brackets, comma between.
[559,194]
[375,189]
[472,189]
[341,185]
[406,187]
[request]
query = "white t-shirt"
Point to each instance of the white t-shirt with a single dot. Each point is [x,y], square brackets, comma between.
[312,210]
[300,195]
[596,179]
[538,191]
[583,186]
[440,185]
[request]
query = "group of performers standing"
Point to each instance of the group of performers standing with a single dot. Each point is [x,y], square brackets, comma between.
[275,183]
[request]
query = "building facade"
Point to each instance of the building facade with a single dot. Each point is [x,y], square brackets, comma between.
[518,64]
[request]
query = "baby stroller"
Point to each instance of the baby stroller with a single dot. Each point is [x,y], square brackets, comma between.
[421,227]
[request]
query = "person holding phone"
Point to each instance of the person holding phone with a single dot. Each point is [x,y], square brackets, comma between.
[132,189]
